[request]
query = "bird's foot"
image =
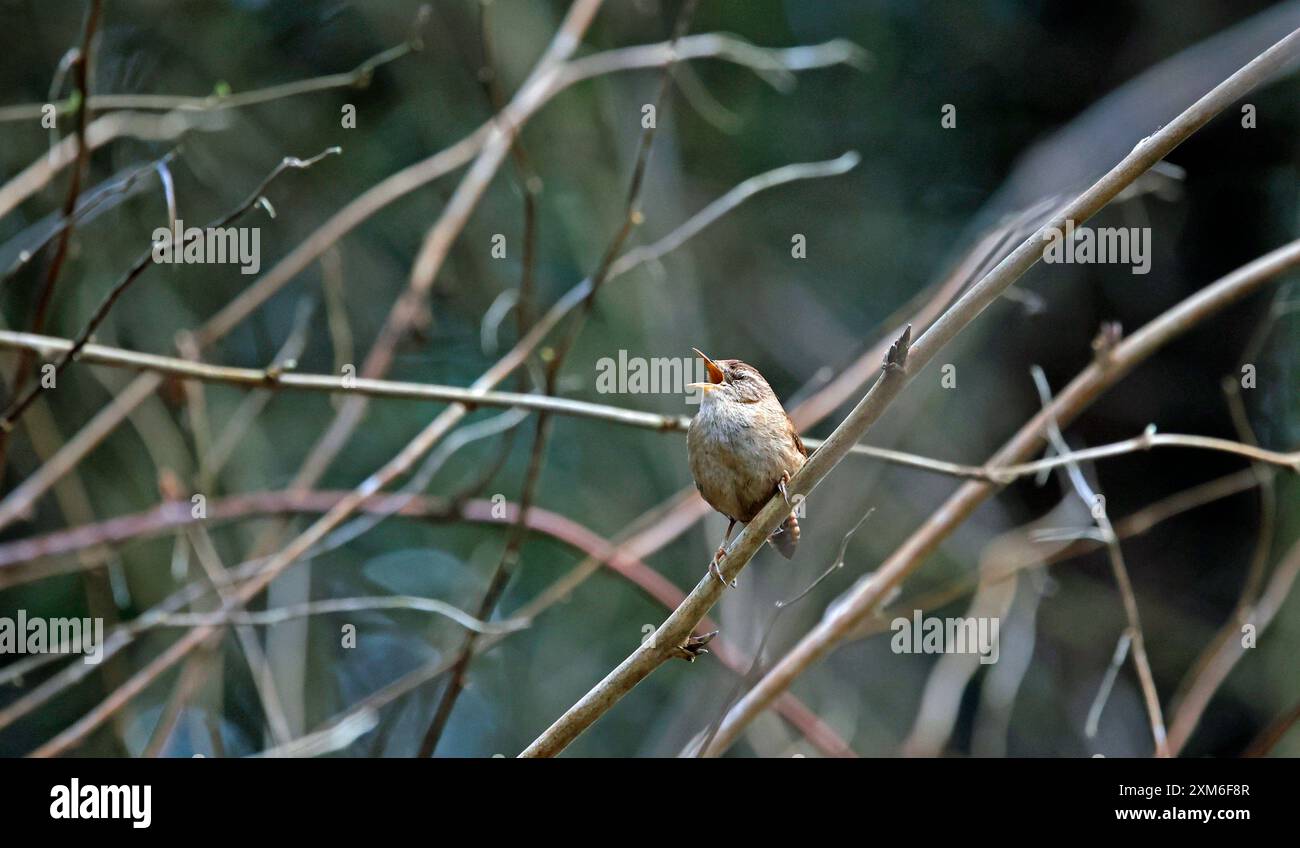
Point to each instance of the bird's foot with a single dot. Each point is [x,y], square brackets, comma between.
[691,649]
[717,572]
[781,487]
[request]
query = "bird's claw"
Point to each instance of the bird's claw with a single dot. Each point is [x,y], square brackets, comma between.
[781,487]
[691,649]
[716,571]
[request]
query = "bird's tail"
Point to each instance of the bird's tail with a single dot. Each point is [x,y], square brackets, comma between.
[786,537]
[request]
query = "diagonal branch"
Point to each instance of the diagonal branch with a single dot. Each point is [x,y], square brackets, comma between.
[891,383]
[178,514]
[1227,648]
[859,603]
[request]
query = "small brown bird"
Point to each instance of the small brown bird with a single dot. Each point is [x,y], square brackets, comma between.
[743,449]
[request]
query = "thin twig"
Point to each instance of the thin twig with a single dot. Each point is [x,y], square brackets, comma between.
[187,685]
[275,377]
[81,72]
[263,682]
[1097,505]
[1227,649]
[779,607]
[1267,498]
[279,615]
[1149,516]
[16,409]
[252,405]
[1091,724]
[100,132]
[1268,738]
[333,738]
[91,204]
[1203,671]
[359,78]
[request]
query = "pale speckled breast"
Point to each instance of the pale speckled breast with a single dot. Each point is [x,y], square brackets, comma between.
[738,456]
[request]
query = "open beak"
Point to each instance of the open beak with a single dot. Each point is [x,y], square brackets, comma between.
[715,373]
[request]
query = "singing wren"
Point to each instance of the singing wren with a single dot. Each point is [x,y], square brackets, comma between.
[743,449]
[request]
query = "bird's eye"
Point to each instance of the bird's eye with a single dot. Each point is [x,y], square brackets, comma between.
[738,375]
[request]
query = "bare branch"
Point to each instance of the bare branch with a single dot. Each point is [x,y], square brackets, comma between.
[103,130]
[16,409]
[81,73]
[1097,505]
[1226,649]
[279,615]
[344,221]
[359,77]
[861,600]
[680,624]
[511,553]
[172,515]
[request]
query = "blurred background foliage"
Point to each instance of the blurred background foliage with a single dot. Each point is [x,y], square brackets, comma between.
[1018,73]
